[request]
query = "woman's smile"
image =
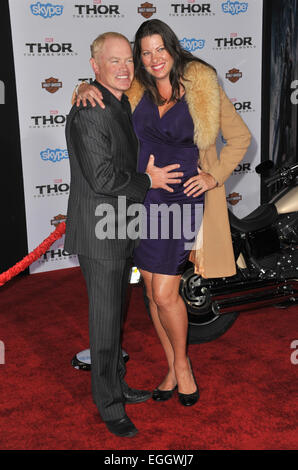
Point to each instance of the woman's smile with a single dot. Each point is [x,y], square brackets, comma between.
[155,57]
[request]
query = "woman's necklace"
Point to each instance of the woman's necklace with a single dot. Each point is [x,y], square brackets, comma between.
[164,108]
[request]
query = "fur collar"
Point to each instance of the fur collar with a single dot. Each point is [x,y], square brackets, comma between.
[203,98]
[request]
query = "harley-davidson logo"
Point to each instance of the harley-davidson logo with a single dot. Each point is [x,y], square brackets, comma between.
[58,219]
[146,9]
[52,85]
[234,75]
[234,198]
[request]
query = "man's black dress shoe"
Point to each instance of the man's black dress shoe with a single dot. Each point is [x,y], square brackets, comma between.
[132,395]
[163,395]
[122,427]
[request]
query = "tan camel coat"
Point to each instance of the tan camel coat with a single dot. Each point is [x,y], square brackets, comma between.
[211,111]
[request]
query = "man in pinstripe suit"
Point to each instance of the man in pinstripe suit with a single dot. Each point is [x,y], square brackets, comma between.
[103,152]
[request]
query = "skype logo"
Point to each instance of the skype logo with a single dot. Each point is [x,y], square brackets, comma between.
[46,10]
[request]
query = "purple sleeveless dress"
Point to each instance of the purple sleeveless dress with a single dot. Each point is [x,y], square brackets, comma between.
[171,220]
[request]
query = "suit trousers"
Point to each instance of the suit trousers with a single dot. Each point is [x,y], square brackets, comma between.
[107,287]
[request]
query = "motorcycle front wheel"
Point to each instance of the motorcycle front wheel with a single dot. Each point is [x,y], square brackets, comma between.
[204,325]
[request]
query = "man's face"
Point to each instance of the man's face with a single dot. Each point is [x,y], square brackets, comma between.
[113,66]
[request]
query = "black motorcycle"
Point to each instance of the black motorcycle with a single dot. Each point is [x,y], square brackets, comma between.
[265,246]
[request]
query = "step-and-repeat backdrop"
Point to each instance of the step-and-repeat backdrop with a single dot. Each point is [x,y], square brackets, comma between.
[51,42]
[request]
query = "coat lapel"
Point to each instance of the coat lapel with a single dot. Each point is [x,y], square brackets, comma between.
[203,99]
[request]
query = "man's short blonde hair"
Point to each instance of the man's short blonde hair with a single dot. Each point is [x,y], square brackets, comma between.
[97,44]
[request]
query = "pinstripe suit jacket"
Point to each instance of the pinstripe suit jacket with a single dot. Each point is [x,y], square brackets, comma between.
[103,153]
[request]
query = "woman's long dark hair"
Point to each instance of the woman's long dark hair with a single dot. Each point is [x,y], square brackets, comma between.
[180,56]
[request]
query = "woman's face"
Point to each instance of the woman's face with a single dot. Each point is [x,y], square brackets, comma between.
[156,59]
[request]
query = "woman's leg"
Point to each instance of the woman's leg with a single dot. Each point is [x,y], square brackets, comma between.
[173,317]
[169,317]
[170,380]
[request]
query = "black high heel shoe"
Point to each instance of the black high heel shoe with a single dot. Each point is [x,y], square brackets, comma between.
[163,395]
[189,399]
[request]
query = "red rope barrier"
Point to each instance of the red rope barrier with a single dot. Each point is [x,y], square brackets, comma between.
[34,255]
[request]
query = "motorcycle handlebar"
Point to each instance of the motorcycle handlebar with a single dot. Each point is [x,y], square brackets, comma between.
[282,174]
[272,179]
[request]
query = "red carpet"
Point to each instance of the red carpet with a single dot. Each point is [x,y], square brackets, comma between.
[249,393]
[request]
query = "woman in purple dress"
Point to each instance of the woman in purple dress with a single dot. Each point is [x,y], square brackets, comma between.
[178,108]
[165,129]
